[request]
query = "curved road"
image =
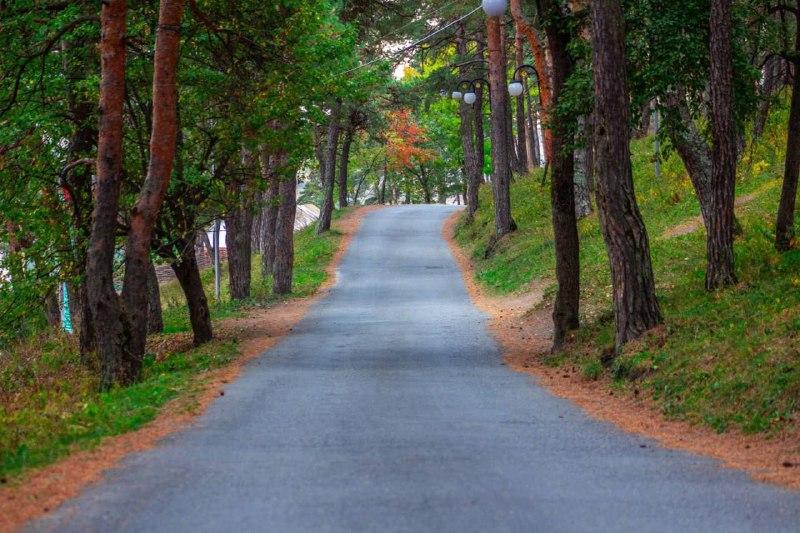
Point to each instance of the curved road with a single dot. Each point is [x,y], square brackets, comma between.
[389,409]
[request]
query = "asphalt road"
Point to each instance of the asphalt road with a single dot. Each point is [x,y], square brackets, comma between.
[388,409]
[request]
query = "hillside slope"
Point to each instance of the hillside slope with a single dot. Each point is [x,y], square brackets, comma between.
[728,360]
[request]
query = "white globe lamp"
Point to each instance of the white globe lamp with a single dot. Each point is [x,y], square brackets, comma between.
[494,8]
[515,88]
[457,95]
[469,98]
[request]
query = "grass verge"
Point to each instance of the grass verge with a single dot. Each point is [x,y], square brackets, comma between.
[49,401]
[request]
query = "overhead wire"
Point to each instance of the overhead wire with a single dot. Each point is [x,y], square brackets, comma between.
[412,45]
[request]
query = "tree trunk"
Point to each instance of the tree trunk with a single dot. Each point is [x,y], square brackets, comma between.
[583,203]
[546,80]
[238,225]
[329,174]
[119,365]
[52,307]
[784,226]
[473,174]
[188,274]
[480,155]
[691,148]
[284,235]
[344,162]
[155,319]
[634,298]
[565,229]
[513,156]
[522,137]
[383,183]
[531,138]
[720,271]
[501,149]
[121,329]
[270,210]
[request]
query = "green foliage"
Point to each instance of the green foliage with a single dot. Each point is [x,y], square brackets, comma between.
[725,360]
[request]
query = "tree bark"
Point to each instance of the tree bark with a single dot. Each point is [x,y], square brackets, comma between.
[473,174]
[522,137]
[480,155]
[546,82]
[238,226]
[784,225]
[344,162]
[720,271]
[565,229]
[121,328]
[501,149]
[531,137]
[155,319]
[583,203]
[270,210]
[112,329]
[635,305]
[691,148]
[329,174]
[188,274]
[284,235]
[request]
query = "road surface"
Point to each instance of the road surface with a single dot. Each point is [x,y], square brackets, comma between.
[388,409]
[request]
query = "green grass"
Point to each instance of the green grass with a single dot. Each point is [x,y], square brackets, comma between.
[49,402]
[728,359]
[312,255]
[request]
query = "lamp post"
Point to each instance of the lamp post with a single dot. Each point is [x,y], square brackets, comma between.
[469,96]
[515,88]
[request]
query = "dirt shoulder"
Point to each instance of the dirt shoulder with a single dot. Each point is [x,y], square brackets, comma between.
[525,333]
[45,489]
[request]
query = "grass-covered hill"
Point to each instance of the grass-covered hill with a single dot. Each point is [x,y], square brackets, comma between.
[729,359]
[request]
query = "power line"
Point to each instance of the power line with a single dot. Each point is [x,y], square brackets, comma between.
[412,45]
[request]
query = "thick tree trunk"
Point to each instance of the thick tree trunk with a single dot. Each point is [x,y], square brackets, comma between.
[513,156]
[565,229]
[86,338]
[635,305]
[121,329]
[238,225]
[52,308]
[270,210]
[188,274]
[344,162]
[329,174]
[720,271]
[112,329]
[155,319]
[501,149]
[284,235]
[472,173]
[784,225]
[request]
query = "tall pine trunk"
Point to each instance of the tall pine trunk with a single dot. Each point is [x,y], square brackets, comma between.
[501,148]
[720,271]
[344,160]
[121,328]
[329,170]
[784,225]
[284,235]
[522,137]
[635,305]
[270,209]
[472,173]
[238,228]
[565,228]
[480,155]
